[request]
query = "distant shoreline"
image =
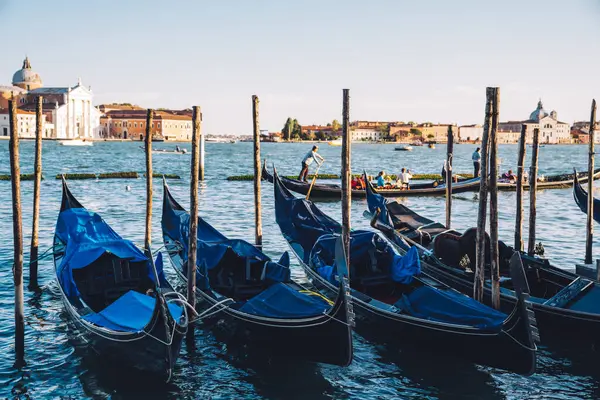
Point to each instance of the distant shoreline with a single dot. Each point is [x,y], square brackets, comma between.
[286,142]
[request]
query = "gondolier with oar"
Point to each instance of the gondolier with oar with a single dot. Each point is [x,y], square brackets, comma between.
[476,157]
[307,160]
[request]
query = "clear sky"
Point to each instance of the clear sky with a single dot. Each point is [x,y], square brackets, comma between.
[420,60]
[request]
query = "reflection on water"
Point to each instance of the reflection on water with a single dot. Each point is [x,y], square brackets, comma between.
[60,365]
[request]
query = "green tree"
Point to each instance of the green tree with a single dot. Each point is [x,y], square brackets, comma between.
[430,136]
[320,135]
[416,132]
[287,129]
[335,125]
[296,129]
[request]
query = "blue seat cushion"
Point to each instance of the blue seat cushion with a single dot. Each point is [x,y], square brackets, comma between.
[129,313]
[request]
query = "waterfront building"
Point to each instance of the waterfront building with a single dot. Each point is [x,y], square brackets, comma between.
[551,129]
[130,123]
[426,131]
[470,133]
[366,134]
[68,111]
[580,132]
[25,124]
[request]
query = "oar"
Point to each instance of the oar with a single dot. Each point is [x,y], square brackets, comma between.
[313,181]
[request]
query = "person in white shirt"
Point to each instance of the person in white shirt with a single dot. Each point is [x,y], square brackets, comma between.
[405,178]
[307,160]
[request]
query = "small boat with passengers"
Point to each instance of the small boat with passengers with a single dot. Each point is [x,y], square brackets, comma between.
[334,191]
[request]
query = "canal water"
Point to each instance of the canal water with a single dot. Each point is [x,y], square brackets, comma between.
[60,366]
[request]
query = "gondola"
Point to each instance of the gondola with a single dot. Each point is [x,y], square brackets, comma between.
[333,191]
[253,299]
[581,198]
[566,305]
[114,294]
[560,181]
[391,295]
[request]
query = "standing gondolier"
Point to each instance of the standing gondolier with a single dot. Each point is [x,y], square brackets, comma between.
[476,157]
[307,160]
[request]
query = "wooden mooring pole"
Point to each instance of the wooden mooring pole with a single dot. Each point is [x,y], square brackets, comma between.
[148,143]
[520,172]
[483,190]
[257,173]
[192,245]
[493,189]
[448,177]
[533,190]
[37,182]
[590,188]
[15,173]
[346,173]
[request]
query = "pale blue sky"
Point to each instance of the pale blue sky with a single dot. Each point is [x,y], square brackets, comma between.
[419,60]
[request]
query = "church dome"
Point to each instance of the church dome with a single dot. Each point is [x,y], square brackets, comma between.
[26,78]
[539,112]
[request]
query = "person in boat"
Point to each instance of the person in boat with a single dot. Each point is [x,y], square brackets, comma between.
[509,176]
[476,157]
[405,178]
[307,160]
[357,183]
[178,149]
[381,179]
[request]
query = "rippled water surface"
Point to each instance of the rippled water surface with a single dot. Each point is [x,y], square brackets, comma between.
[61,366]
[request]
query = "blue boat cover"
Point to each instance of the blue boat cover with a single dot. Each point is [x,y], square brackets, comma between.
[212,246]
[363,246]
[406,266]
[129,313]
[282,301]
[88,237]
[301,221]
[450,307]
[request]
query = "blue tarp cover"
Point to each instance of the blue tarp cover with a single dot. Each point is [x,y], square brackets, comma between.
[88,237]
[213,245]
[407,266]
[282,301]
[450,307]
[129,313]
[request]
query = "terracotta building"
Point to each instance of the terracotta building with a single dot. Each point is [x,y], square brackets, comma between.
[130,123]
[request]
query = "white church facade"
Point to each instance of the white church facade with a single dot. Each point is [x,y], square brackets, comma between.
[69,111]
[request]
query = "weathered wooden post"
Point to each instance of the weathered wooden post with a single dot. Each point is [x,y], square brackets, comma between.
[448,177]
[520,165]
[192,245]
[37,182]
[257,173]
[346,188]
[148,143]
[15,173]
[483,190]
[590,188]
[533,190]
[493,185]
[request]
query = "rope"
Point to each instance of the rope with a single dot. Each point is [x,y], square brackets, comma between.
[42,256]
[207,313]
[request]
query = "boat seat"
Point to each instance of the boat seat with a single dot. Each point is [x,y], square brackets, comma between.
[446,247]
[570,292]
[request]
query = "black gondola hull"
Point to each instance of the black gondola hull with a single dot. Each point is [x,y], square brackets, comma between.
[325,338]
[494,349]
